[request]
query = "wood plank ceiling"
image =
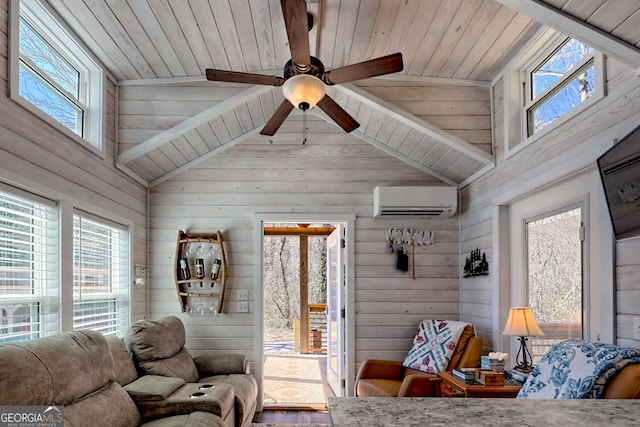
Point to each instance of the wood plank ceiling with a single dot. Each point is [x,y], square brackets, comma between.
[171,118]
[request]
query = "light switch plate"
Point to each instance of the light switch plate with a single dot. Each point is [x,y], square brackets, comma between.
[243,307]
[636,327]
[243,295]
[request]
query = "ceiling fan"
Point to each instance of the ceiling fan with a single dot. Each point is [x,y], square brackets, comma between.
[304,80]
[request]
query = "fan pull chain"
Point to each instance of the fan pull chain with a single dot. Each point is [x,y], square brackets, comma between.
[304,127]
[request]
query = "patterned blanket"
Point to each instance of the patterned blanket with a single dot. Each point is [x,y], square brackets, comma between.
[575,369]
[433,345]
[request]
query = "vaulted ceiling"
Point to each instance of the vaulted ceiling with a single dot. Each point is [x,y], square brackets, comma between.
[170,117]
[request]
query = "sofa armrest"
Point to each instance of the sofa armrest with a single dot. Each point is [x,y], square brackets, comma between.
[381,369]
[153,388]
[426,385]
[221,364]
[624,385]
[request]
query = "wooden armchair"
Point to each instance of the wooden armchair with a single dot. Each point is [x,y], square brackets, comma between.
[388,378]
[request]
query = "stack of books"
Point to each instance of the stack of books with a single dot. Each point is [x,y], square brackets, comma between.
[465,374]
[516,375]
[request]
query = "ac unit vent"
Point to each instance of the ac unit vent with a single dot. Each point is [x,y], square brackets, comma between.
[431,202]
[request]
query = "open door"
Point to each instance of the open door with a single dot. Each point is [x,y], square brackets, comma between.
[335,311]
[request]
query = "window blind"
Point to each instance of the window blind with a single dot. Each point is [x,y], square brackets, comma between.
[101,275]
[29,293]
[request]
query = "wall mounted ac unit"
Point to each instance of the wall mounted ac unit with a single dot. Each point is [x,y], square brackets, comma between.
[430,201]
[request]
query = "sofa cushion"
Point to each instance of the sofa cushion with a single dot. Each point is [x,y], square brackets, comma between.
[180,365]
[158,348]
[153,387]
[84,353]
[24,379]
[110,406]
[156,339]
[123,368]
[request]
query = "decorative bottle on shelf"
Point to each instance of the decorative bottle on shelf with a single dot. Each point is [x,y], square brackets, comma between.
[185,271]
[215,269]
[199,268]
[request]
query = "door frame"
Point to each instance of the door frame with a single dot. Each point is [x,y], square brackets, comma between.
[335,297]
[348,220]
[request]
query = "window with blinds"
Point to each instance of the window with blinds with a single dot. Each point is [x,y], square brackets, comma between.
[100,275]
[29,294]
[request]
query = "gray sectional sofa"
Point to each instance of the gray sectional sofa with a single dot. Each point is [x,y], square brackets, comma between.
[137,381]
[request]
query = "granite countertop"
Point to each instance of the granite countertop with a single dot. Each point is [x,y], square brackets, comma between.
[433,411]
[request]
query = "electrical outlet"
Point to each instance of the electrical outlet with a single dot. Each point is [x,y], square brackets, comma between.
[243,295]
[636,327]
[243,307]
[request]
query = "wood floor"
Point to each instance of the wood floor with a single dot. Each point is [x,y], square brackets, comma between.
[292,417]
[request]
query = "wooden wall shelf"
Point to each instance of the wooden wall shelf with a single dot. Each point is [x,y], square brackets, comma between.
[198,291]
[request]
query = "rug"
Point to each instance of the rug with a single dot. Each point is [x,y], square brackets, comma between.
[294,379]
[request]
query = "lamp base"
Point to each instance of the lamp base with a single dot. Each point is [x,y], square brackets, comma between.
[525,364]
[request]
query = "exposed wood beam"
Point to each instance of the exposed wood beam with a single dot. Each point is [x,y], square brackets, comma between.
[437,81]
[418,80]
[416,123]
[191,123]
[402,157]
[132,174]
[204,157]
[583,31]
[188,79]
[476,175]
[383,147]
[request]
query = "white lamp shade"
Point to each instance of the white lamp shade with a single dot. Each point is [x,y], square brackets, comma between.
[303,88]
[521,323]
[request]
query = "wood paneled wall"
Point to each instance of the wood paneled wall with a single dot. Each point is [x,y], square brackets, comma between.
[333,173]
[574,146]
[37,157]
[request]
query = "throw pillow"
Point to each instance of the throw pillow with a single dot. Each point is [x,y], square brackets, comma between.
[434,345]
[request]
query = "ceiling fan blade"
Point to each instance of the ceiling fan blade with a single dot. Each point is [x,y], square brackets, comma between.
[374,67]
[239,77]
[295,19]
[277,118]
[338,114]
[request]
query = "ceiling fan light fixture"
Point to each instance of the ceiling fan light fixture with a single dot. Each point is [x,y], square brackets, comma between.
[304,91]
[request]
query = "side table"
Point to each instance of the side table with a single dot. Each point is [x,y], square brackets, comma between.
[450,386]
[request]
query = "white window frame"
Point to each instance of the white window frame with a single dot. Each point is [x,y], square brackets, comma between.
[45,280]
[582,206]
[517,83]
[120,276]
[49,25]
[599,279]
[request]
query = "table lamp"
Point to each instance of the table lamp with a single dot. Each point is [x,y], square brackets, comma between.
[522,324]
